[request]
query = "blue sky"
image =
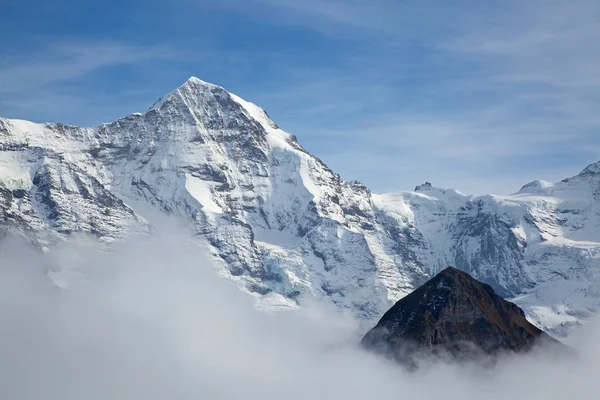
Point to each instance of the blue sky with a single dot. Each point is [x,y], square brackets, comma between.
[482,96]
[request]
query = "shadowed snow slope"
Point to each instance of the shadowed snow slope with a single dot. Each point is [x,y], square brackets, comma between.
[282,224]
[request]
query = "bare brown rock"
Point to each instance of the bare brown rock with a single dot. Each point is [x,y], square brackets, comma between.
[453,316]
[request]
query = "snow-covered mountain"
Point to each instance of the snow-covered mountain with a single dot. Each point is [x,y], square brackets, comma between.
[282,224]
[539,246]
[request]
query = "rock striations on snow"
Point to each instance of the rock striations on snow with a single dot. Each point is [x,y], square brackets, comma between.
[456,317]
[282,224]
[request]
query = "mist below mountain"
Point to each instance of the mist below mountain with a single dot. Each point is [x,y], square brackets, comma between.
[144,321]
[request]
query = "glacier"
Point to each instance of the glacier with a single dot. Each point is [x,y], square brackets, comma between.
[285,227]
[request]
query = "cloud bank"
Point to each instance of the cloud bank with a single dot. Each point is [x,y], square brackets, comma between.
[151,320]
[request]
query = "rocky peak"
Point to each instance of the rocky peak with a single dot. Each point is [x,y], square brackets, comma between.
[194,94]
[423,187]
[592,169]
[452,315]
[589,171]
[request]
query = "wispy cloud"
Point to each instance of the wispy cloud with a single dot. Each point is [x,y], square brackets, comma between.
[52,81]
[483,88]
[63,61]
[502,90]
[377,15]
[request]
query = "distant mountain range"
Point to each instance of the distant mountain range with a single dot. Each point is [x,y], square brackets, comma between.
[283,225]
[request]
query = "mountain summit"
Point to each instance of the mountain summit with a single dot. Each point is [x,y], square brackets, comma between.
[456,315]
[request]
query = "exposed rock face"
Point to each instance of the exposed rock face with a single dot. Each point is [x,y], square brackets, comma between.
[455,315]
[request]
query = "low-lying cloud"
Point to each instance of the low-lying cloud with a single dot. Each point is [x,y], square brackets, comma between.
[151,320]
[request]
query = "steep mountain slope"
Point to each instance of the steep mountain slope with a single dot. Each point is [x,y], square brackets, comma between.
[284,225]
[453,315]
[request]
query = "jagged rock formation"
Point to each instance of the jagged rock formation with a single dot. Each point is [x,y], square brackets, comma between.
[455,316]
[286,227]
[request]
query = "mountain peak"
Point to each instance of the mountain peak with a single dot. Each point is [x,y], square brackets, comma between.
[592,169]
[453,315]
[188,93]
[535,187]
[589,171]
[451,271]
[196,82]
[424,186]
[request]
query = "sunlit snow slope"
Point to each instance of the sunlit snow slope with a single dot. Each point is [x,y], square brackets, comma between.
[282,224]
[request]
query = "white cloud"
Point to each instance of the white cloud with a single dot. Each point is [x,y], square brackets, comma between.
[152,321]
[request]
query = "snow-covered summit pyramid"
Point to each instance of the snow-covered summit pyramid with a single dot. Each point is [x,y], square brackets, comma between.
[281,223]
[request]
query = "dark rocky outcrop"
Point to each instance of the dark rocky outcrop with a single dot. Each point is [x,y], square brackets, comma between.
[453,316]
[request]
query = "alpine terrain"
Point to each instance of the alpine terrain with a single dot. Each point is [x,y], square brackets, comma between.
[282,224]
